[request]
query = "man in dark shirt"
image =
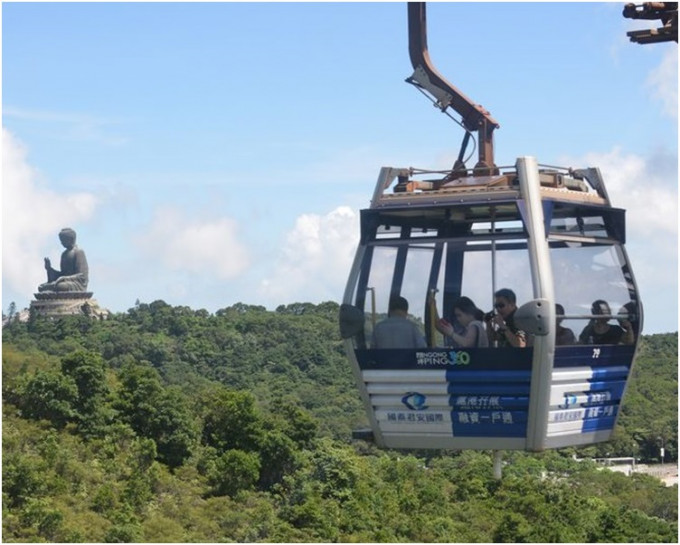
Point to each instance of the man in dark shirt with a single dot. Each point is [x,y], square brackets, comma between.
[501,326]
[563,335]
[600,331]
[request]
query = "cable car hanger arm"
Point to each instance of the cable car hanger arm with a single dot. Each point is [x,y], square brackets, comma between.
[667,12]
[445,95]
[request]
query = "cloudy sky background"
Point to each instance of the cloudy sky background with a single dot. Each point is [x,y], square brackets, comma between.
[209,154]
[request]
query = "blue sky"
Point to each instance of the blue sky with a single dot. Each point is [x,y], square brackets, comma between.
[213,153]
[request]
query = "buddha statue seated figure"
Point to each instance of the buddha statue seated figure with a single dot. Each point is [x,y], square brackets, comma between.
[73,276]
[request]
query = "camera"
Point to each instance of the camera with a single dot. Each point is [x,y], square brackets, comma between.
[489,316]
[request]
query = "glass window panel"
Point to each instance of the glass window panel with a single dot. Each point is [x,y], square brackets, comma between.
[416,276]
[512,271]
[585,274]
[380,278]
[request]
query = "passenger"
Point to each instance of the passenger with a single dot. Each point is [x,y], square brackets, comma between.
[600,331]
[500,325]
[563,335]
[397,331]
[630,309]
[470,318]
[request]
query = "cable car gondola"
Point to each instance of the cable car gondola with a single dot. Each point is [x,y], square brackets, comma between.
[548,233]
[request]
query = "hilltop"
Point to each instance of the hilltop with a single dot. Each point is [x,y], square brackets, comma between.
[171,424]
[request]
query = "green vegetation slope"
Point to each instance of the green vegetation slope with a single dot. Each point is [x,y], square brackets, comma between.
[165,424]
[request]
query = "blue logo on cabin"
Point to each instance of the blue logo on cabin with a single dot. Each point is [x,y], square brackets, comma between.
[569,401]
[414,401]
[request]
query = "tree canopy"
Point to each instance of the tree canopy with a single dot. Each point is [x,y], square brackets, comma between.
[174,425]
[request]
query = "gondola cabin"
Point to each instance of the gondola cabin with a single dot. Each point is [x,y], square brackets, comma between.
[550,235]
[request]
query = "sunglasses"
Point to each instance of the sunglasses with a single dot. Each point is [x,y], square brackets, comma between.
[499,305]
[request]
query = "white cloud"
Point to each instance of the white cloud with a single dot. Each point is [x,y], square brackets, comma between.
[204,247]
[32,216]
[315,258]
[645,186]
[663,82]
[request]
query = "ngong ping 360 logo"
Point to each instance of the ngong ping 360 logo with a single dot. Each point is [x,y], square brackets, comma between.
[453,357]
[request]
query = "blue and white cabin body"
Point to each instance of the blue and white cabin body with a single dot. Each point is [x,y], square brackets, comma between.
[549,234]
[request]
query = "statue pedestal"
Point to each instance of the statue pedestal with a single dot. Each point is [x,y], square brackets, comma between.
[68,303]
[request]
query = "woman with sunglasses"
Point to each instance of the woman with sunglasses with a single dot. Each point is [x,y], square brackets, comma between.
[501,326]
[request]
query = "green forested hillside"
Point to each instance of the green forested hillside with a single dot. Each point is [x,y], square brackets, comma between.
[165,424]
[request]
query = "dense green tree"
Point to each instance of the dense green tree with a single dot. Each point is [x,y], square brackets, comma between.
[174,428]
[293,420]
[514,528]
[336,470]
[157,413]
[233,471]
[277,453]
[139,486]
[241,308]
[88,372]
[125,528]
[51,396]
[21,478]
[140,387]
[232,421]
